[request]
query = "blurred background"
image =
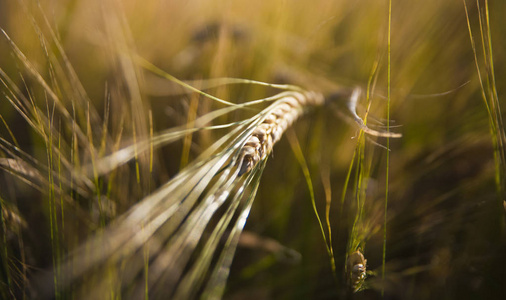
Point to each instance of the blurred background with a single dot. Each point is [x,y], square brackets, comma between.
[445,221]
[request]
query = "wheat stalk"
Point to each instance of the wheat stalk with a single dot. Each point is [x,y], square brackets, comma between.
[177,215]
[173,220]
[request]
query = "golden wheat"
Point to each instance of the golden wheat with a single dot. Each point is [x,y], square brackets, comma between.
[285,111]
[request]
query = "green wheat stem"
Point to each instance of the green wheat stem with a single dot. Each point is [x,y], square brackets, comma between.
[328,201]
[492,72]
[498,116]
[354,239]
[60,237]
[388,146]
[364,169]
[494,115]
[347,180]
[294,143]
[146,247]
[136,154]
[362,187]
[187,141]
[51,198]
[488,63]
[357,238]
[60,176]
[9,130]
[343,197]
[473,46]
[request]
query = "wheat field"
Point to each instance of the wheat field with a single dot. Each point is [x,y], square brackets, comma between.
[285,149]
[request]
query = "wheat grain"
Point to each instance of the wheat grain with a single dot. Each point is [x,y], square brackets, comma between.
[284,112]
[356,267]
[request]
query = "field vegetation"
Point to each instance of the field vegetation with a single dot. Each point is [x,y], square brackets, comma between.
[252,149]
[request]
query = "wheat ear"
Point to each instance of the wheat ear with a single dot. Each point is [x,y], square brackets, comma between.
[284,112]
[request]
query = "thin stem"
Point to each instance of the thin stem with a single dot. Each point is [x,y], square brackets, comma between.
[388,146]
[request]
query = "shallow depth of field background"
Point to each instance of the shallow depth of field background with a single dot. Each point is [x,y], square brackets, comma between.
[446,235]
